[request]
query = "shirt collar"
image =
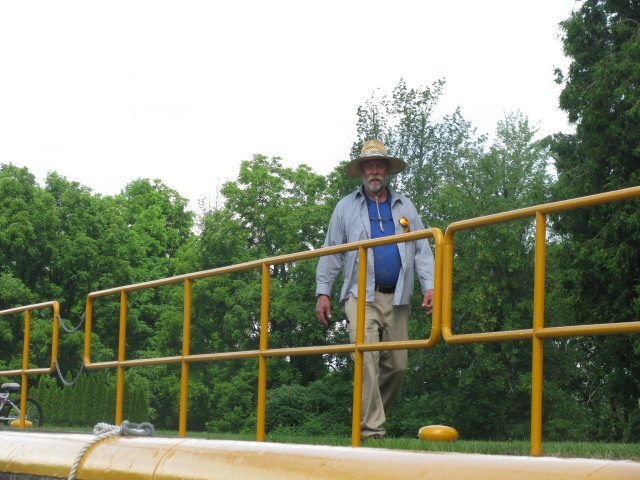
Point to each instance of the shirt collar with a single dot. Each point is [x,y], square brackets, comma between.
[392,197]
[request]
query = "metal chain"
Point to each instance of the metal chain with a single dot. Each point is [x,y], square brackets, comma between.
[67,384]
[68,330]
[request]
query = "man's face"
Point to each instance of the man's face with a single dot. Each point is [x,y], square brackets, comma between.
[375,175]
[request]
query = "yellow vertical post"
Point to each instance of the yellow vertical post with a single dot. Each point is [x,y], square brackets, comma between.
[88,320]
[447,283]
[436,317]
[358,355]
[186,348]
[122,343]
[262,360]
[538,324]
[55,337]
[25,366]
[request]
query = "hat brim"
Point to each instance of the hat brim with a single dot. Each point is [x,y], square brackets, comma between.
[352,169]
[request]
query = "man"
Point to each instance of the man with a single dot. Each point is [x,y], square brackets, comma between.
[374,210]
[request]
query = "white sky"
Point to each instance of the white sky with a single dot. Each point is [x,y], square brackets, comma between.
[108,92]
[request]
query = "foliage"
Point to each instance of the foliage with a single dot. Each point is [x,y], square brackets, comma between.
[27,228]
[597,279]
[90,400]
[405,125]
[322,407]
[234,401]
[453,176]
[62,241]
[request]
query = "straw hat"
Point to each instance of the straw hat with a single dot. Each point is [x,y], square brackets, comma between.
[373,150]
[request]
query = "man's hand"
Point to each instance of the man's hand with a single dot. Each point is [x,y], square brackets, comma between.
[428,301]
[323,309]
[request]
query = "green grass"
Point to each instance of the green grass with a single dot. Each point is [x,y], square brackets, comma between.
[608,451]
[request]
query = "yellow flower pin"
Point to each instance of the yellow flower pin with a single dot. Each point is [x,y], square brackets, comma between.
[405,223]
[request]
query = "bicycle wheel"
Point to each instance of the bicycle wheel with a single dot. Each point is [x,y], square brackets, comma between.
[33,413]
[5,412]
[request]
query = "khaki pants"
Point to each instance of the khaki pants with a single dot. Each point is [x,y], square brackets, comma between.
[383,371]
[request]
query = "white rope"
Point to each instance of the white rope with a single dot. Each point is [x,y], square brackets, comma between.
[104,430]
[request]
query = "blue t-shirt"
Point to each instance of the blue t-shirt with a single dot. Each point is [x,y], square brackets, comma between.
[386,257]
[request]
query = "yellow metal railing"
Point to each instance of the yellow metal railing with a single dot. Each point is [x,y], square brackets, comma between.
[358,348]
[538,332]
[441,320]
[25,371]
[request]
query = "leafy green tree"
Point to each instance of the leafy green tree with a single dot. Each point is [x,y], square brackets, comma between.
[493,274]
[451,175]
[493,286]
[233,399]
[93,249]
[12,293]
[320,408]
[338,185]
[157,214]
[27,228]
[600,248]
[268,211]
[405,124]
[63,241]
[158,226]
[284,211]
[282,206]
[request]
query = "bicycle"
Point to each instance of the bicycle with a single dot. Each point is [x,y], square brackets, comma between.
[10,409]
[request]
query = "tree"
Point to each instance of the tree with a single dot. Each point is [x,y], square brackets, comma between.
[27,228]
[452,176]
[284,211]
[493,285]
[158,226]
[600,250]
[268,211]
[157,214]
[405,124]
[92,246]
[600,96]
[12,293]
[93,249]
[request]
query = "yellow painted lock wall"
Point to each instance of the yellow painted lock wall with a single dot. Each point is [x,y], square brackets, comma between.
[162,458]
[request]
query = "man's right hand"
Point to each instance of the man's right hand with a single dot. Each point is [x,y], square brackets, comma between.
[323,309]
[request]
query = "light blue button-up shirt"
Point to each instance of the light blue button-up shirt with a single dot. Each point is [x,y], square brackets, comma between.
[350,223]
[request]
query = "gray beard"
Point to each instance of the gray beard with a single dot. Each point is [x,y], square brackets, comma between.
[376,191]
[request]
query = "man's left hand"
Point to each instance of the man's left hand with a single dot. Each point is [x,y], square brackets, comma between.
[428,301]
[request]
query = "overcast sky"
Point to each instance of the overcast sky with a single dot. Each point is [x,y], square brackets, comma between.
[108,92]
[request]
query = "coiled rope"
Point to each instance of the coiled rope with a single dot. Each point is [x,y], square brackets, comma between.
[104,430]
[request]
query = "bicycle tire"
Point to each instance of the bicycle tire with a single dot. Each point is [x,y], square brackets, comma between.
[5,409]
[34,412]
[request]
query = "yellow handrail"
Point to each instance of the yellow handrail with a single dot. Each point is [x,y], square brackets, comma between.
[25,371]
[538,332]
[264,352]
[441,319]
